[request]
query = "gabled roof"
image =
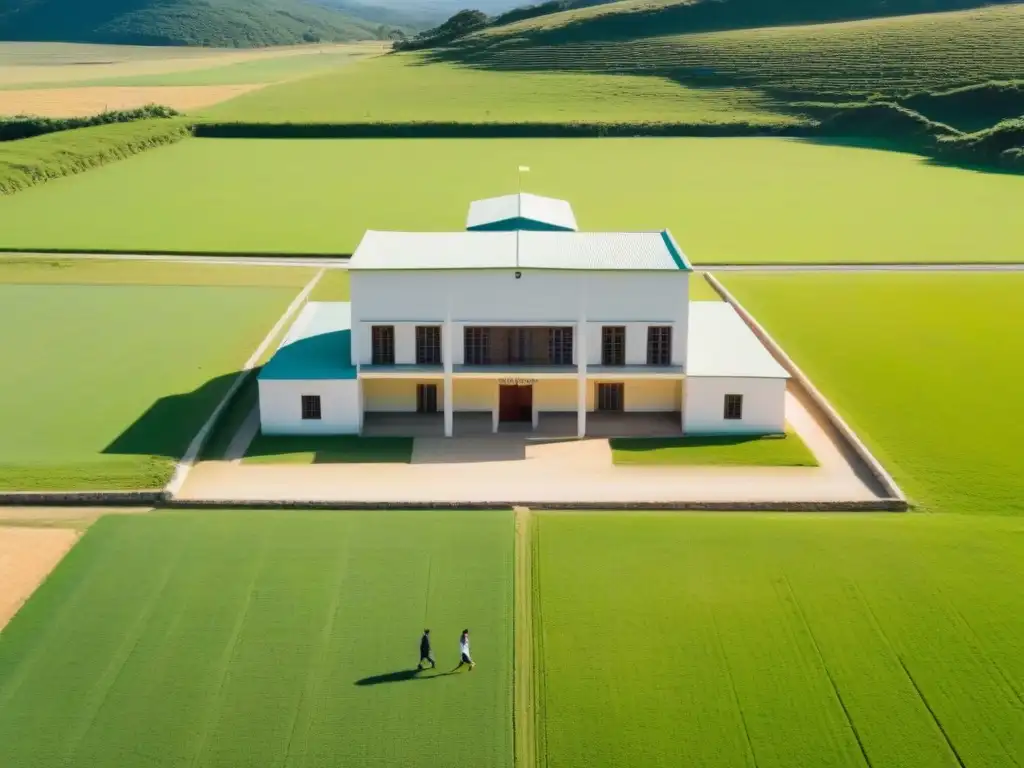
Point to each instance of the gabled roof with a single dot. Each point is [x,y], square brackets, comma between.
[630,251]
[521,212]
[719,343]
[317,346]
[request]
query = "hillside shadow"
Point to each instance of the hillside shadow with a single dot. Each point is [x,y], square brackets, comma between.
[167,427]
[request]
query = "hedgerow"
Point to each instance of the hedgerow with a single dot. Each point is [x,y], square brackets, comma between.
[34,161]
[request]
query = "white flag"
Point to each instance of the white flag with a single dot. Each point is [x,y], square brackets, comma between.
[524,168]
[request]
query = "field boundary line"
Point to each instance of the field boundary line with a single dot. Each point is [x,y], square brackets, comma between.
[841,427]
[524,693]
[184,466]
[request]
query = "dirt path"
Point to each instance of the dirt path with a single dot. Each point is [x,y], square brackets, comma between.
[27,555]
[526,709]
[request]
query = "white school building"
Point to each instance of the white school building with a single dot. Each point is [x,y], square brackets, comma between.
[521,323]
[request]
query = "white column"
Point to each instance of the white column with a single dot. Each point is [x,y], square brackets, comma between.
[447,356]
[580,346]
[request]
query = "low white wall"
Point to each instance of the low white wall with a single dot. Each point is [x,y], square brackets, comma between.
[764,406]
[281,407]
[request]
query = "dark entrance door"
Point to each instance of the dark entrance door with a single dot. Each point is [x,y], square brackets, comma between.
[426,398]
[515,403]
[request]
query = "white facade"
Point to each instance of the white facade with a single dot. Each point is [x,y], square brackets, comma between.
[455,331]
[281,407]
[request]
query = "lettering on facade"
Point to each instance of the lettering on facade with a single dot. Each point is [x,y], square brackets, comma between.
[516,381]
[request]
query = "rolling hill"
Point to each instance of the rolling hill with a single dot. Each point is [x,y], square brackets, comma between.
[220,23]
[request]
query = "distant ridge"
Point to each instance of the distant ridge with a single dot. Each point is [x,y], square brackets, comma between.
[220,23]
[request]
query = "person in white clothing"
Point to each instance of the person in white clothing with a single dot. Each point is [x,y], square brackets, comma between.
[465,658]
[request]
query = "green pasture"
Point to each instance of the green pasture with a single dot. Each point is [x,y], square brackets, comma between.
[729,450]
[410,89]
[926,368]
[109,376]
[892,56]
[727,640]
[262,638]
[725,200]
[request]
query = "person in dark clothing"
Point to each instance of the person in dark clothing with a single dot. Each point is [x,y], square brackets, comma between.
[425,654]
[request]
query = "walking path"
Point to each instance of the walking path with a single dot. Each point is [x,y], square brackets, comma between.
[519,470]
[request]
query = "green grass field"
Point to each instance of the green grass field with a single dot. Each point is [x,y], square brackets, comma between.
[925,368]
[778,641]
[336,449]
[229,639]
[112,372]
[778,451]
[408,89]
[726,200]
[891,56]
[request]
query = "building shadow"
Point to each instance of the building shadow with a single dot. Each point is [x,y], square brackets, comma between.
[402,675]
[167,427]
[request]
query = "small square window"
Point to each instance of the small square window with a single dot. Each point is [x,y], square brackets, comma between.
[734,407]
[311,407]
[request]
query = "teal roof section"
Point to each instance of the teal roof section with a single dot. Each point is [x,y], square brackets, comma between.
[676,252]
[317,346]
[522,211]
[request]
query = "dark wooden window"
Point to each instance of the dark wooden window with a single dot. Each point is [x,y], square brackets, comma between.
[734,406]
[311,407]
[610,397]
[659,345]
[383,340]
[428,345]
[477,346]
[560,346]
[426,398]
[613,345]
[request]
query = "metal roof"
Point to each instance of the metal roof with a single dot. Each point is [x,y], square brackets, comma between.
[519,250]
[522,211]
[317,346]
[720,344]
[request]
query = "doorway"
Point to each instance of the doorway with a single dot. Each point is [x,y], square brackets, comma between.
[515,403]
[426,398]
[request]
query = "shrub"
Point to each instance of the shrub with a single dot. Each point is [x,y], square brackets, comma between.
[28,126]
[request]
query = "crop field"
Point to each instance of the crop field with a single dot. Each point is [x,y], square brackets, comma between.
[117,369]
[408,89]
[779,641]
[725,200]
[39,65]
[924,367]
[94,100]
[262,70]
[892,56]
[263,638]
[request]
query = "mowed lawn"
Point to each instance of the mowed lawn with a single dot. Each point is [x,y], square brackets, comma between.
[725,200]
[407,88]
[926,368]
[111,369]
[231,639]
[720,641]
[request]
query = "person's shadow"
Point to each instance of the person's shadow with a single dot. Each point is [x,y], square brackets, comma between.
[403,675]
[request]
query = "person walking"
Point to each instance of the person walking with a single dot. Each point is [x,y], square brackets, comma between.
[425,654]
[465,658]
